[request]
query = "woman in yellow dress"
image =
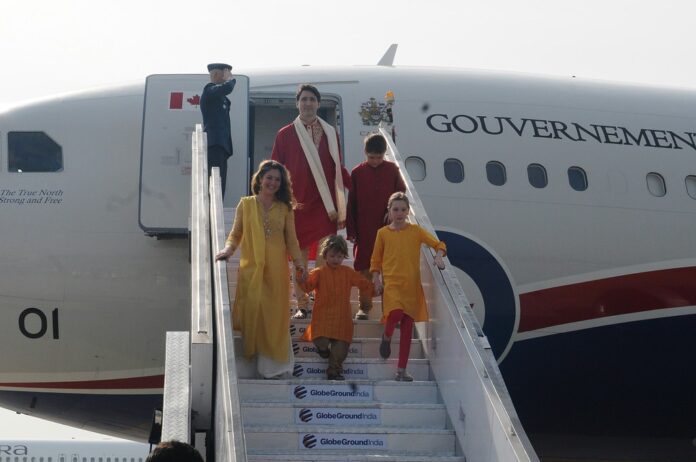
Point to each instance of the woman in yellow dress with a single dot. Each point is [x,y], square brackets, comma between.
[264,227]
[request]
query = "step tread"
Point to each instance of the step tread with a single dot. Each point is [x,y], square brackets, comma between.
[319,381]
[312,428]
[354,360]
[346,405]
[332,455]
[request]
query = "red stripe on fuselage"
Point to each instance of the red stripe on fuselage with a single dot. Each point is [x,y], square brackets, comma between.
[631,293]
[152,381]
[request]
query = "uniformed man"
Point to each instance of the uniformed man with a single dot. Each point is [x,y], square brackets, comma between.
[215,107]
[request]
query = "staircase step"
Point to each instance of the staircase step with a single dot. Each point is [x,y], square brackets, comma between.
[346,414]
[353,368]
[319,391]
[350,440]
[359,348]
[361,329]
[326,456]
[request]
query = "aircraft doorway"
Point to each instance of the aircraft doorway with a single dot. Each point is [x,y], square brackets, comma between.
[268,112]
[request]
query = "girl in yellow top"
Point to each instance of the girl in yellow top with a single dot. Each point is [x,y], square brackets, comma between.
[264,227]
[331,328]
[396,257]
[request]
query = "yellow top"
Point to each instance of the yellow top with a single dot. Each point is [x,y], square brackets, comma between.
[261,308]
[397,256]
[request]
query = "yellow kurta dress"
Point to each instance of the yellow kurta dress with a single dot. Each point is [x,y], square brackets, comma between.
[331,315]
[262,300]
[397,256]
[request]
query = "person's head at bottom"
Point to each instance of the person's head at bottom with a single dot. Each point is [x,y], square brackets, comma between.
[174,451]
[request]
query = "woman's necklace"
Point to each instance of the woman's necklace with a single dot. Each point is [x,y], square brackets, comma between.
[265,212]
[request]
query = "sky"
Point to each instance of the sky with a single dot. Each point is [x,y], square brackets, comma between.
[52,46]
[55,46]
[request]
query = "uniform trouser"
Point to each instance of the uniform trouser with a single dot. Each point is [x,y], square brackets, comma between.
[366,300]
[406,334]
[337,353]
[217,157]
[300,295]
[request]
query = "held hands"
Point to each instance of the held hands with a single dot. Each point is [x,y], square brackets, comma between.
[224,254]
[377,283]
[300,274]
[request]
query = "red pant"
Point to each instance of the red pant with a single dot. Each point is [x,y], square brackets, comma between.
[406,334]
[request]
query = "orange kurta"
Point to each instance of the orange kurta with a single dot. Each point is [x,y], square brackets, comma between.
[397,256]
[331,315]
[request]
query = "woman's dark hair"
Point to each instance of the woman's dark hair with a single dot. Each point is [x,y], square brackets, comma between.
[284,193]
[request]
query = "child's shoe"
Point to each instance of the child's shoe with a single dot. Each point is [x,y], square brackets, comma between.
[403,376]
[385,348]
[361,315]
[301,313]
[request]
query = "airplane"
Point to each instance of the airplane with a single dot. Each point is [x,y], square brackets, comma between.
[72,451]
[566,205]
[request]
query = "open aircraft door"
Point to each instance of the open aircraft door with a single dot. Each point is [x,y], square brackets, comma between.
[171,111]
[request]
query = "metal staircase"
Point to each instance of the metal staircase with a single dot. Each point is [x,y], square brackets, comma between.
[456,409]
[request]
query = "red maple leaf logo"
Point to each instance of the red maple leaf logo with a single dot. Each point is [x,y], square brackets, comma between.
[195,101]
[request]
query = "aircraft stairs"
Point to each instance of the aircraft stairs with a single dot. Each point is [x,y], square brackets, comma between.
[457,408]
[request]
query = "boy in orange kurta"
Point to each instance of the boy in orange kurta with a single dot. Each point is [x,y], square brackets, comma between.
[331,328]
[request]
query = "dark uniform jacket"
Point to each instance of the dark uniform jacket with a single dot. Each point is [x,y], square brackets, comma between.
[215,107]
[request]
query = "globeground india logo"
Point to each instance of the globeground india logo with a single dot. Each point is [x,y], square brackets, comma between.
[322,392]
[305,415]
[343,441]
[339,416]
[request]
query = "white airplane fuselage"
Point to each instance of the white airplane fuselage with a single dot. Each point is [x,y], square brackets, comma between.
[586,296]
[73,451]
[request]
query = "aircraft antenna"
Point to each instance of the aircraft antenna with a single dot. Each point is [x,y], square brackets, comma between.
[388,58]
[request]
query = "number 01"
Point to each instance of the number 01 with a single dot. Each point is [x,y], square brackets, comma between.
[43,323]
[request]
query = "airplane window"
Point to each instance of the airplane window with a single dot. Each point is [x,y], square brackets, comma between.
[416,168]
[537,175]
[495,171]
[656,184]
[454,170]
[691,186]
[577,178]
[33,152]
